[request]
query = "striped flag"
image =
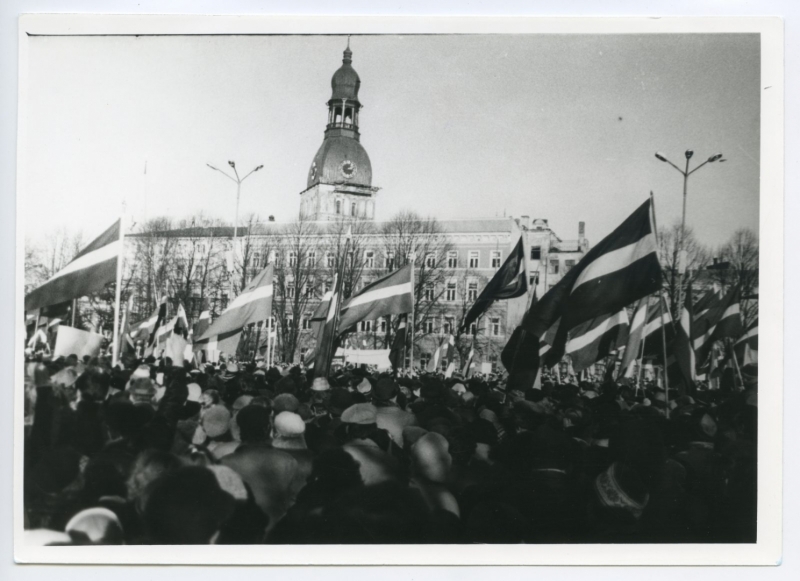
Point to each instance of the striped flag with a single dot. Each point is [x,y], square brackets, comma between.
[450,355]
[658,317]
[142,330]
[155,331]
[521,354]
[202,324]
[722,320]
[633,346]
[620,270]
[468,363]
[510,281]
[746,348]
[92,269]
[682,348]
[439,355]
[390,295]
[253,304]
[596,339]
[398,351]
[326,343]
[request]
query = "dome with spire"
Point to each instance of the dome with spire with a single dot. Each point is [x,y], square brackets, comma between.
[345,82]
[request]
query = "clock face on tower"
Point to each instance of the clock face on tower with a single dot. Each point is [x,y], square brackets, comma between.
[348,168]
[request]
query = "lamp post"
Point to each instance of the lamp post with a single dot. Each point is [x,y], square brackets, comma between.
[238,182]
[685,173]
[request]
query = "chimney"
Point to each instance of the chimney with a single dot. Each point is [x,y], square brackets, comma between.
[272,218]
[525,221]
[581,230]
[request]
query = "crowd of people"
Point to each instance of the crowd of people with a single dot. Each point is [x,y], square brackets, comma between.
[147,452]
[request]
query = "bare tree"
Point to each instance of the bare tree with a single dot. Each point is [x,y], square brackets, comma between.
[296,275]
[697,258]
[739,266]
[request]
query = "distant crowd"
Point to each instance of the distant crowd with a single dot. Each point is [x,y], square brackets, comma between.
[151,453]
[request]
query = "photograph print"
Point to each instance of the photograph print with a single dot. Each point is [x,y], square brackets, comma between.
[389,289]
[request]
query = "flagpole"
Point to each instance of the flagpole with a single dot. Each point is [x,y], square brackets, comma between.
[664,309]
[413,318]
[641,357]
[74,308]
[118,291]
[736,365]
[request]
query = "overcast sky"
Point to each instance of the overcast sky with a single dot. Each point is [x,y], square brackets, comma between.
[562,127]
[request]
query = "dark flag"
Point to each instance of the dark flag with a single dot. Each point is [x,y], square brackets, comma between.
[746,348]
[398,351]
[161,317]
[520,356]
[620,270]
[596,339]
[510,281]
[92,269]
[326,344]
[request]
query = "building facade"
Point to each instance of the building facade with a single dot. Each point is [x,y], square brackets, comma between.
[453,258]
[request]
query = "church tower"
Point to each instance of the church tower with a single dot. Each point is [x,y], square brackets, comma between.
[340,178]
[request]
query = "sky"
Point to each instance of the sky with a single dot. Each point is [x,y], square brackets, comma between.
[562,127]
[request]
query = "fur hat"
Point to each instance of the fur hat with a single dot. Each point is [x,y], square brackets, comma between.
[364,387]
[285,402]
[216,421]
[320,384]
[289,425]
[360,413]
[195,391]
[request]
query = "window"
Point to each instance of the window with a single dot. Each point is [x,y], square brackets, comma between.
[424,359]
[382,325]
[330,259]
[326,286]
[474,259]
[430,260]
[271,257]
[452,259]
[290,290]
[553,267]
[536,252]
[256,259]
[533,279]
[495,259]
[568,264]
[450,291]
[309,289]
[369,259]
[428,293]
[338,206]
[311,258]
[428,326]
[473,329]
[292,258]
[449,325]
[472,290]
[288,321]
[303,353]
[365,326]
[388,261]
[353,209]
[306,323]
[494,327]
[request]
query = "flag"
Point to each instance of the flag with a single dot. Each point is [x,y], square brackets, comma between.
[92,269]
[253,304]
[510,281]
[158,323]
[71,341]
[202,324]
[635,336]
[682,349]
[398,351]
[468,363]
[141,330]
[438,356]
[389,295]
[449,358]
[721,321]
[181,325]
[658,316]
[520,356]
[320,314]
[620,270]
[596,339]
[125,342]
[746,348]
[326,343]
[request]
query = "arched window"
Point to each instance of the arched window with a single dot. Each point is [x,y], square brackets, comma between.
[337,115]
[338,205]
[353,209]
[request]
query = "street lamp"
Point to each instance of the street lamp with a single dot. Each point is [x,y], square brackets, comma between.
[238,181]
[685,173]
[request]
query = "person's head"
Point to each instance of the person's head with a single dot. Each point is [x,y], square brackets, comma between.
[149,466]
[94,383]
[97,526]
[142,391]
[216,422]
[386,390]
[209,398]
[288,430]
[187,507]
[430,457]
[337,470]
[254,424]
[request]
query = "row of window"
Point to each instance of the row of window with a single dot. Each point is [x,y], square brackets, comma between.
[370,259]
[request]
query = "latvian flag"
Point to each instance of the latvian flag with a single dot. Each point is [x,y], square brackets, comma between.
[252,305]
[202,324]
[593,340]
[721,321]
[633,346]
[510,281]
[620,270]
[646,334]
[520,356]
[746,348]
[398,351]
[440,354]
[326,342]
[390,295]
[143,330]
[682,348]
[91,270]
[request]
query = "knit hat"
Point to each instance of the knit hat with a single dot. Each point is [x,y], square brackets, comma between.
[195,391]
[289,425]
[621,487]
[216,421]
[385,389]
[97,525]
[285,402]
[360,413]
[320,384]
[364,387]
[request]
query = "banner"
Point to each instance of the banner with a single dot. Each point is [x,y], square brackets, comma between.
[76,341]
